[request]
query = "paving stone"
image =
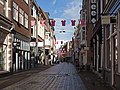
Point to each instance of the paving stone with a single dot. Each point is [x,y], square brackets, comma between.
[59,77]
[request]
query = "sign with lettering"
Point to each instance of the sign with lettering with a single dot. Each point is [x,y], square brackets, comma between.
[93,11]
[105,19]
[108,19]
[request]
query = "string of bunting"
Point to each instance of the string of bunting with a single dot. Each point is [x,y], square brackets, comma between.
[42,22]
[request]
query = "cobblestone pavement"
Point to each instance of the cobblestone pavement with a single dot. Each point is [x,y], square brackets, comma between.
[93,82]
[59,77]
[11,78]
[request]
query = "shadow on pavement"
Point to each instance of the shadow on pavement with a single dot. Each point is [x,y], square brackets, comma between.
[93,82]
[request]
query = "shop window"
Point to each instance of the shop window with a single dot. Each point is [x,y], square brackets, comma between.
[107,31]
[108,53]
[119,19]
[2,57]
[116,53]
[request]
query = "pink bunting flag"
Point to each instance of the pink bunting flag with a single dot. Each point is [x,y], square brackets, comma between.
[32,22]
[42,22]
[52,42]
[57,42]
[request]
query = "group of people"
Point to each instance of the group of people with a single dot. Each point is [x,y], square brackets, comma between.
[48,59]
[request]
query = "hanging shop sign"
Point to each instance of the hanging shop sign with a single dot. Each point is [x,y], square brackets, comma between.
[33,44]
[108,19]
[93,11]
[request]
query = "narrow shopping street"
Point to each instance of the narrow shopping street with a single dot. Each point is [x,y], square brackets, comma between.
[62,76]
[39,37]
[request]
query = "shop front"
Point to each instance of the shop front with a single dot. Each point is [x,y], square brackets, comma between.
[21,53]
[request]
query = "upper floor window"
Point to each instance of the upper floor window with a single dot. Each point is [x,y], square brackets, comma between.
[83,35]
[15,11]
[32,31]
[26,1]
[26,20]
[33,11]
[2,7]
[21,16]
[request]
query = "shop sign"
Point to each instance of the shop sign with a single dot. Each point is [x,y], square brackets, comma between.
[108,19]
[86,48]
[33,44]
[93,11]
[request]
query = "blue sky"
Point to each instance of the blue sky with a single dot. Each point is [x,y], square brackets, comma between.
[62,10]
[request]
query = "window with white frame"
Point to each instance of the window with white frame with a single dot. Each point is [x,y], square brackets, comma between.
[32,11]
[32,31]
[26,1]
[26,20]
[21,16]
[15,11]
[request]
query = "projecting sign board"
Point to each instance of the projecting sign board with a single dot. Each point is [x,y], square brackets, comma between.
[105,19]
[108,19]
[93,11]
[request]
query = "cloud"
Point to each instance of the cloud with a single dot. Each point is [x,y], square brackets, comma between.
[54,2]
[68,12]
[55,11]
[72,9]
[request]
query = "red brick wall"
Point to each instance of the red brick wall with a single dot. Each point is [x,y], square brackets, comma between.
[18,27]
[89,31]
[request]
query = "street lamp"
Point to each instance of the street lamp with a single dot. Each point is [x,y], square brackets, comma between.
[62,31]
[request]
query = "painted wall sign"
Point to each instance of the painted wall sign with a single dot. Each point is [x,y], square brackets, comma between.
[93,11]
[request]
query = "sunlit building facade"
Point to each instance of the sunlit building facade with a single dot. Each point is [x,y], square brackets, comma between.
[6,28]
[21,36]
